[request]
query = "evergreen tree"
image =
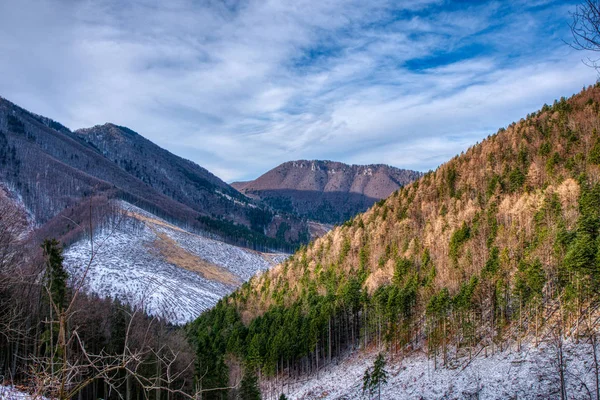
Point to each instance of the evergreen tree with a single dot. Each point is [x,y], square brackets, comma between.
[118,328]
[367,382]
[249,389]
[379,375]
[56,276]
[375,377]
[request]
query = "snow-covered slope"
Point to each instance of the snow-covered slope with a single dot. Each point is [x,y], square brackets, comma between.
[531,373]
[164,269]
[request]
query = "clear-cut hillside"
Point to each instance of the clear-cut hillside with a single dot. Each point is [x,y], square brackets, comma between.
[159,267]
[326,191]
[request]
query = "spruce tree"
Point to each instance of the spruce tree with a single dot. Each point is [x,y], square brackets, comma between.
[249,389]
[367,382]
[379,374]
[56,276]
[375,377]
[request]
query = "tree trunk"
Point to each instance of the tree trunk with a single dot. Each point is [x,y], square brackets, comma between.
[351,319]
[563,389]
[445,344]
[158,375]
[128,387]
[596,366]
[366,327]
[329,340]
[317,358]
[15,357]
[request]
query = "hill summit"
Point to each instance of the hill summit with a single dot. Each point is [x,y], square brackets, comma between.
[326,191]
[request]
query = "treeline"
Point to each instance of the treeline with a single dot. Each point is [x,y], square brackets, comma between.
[59,342]
[499,243]
[241,235]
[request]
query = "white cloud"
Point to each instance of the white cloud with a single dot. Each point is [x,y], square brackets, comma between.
[240,87]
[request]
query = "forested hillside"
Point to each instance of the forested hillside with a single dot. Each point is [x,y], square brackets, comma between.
[498,244]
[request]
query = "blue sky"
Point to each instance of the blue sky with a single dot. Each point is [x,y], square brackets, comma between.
[242,86]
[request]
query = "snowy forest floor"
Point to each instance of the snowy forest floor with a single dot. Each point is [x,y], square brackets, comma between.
[11,393]
[169,272]
[529,373]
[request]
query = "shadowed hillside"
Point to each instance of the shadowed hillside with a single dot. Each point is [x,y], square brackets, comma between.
[53,169]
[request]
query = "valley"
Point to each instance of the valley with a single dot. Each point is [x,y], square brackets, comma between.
[299,200]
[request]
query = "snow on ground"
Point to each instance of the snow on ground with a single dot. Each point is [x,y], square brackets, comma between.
[11,393]
[127,265]
[531,373]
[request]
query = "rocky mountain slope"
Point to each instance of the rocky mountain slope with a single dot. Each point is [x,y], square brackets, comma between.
[326,191]
[497,247]
[52,169]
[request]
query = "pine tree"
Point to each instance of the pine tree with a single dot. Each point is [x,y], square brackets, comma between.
[56,276]
[249,389]
[375,377]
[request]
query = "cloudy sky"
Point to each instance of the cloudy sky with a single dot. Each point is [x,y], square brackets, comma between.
[241,86]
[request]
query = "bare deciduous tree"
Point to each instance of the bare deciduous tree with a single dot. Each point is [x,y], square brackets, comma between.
[585,29]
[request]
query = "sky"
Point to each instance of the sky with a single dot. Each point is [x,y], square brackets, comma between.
[242,86]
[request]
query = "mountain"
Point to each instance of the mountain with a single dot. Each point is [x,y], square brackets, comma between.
[142,224]
[326,191]
[494,253]
[53,169]
[170,175]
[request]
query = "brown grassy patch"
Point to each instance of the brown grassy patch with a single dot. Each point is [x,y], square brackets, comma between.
[174,254]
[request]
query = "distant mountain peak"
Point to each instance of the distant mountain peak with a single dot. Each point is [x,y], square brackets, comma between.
[326,191]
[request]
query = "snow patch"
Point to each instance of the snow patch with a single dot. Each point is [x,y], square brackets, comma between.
[12,393]
[527,374]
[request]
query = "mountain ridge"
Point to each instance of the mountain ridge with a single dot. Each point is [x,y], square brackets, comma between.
[323,190]
[158,223]
[109,160]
